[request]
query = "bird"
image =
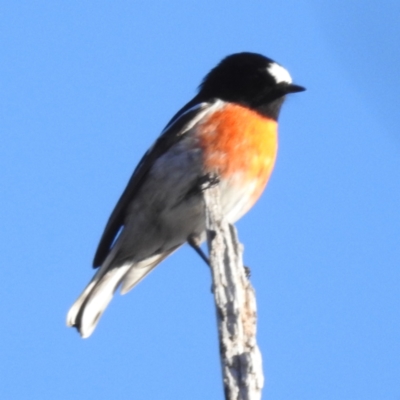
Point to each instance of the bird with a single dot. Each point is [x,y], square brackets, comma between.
[230,129]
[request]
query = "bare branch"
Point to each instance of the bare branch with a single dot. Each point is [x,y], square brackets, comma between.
[235,305]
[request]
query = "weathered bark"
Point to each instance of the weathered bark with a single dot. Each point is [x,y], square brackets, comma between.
[235,305]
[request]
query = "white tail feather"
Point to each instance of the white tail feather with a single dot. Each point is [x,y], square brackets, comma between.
[74,310]
[76,307]
[138,271]
[99,298]
[90,305]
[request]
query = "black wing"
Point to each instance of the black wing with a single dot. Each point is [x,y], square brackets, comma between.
[171,135]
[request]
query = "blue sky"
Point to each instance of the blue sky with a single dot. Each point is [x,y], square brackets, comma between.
[86,87]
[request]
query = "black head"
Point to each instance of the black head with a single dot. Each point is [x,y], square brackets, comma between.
[251,80]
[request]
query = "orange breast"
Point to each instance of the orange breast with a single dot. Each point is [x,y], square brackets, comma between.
[240,145]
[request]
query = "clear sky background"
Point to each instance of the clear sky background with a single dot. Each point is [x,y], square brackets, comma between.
[86,87]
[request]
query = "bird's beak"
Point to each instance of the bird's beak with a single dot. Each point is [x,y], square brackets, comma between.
[291,88]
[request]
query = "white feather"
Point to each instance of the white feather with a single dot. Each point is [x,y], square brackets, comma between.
[99,298]
[138,272]
[279,73]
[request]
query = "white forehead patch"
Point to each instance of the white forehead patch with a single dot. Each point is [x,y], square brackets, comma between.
[279,73]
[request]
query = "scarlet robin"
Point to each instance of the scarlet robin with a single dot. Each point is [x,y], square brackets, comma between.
[229,127]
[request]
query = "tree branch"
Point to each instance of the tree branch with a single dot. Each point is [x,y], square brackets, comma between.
[235,305]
